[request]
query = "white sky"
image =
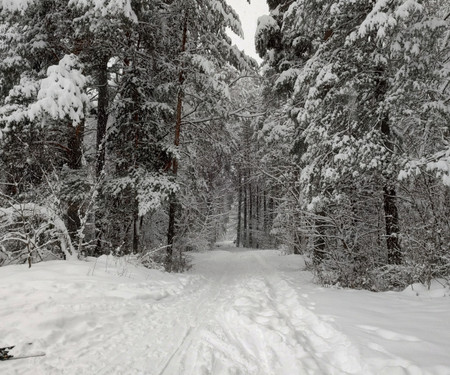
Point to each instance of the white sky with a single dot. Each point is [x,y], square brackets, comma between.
[248,13]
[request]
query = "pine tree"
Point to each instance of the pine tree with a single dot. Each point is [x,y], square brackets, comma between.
[354,70]
[204,49]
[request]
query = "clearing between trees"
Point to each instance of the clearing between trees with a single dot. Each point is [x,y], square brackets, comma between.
[235,312]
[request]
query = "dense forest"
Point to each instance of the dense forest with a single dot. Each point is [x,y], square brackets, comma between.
[135,127]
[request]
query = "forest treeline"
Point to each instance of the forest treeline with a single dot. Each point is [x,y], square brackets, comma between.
[113,121]
[136,127]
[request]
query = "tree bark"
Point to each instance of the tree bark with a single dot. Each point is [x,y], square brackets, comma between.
[392,227]
[102,120]
[391,217]
[319,242]
[135,230]
[245,231]
[250,219]
[102,114]
[173,202]
[390,206]
[74,162]
[265,213]
[258,208]
[239,219]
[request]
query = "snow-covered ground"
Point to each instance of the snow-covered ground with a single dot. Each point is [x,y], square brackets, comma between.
[235,312]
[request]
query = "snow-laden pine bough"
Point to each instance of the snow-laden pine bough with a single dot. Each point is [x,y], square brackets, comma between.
[29,231]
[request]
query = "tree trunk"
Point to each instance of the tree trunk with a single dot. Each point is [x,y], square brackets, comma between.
[245,231]
[319,242]
[394,254]
[271,210]
[173,203]
[238,234]
[258,208]
[265,213]
[135,230]
[74,156]
[102,120]
[392,227]
[389,203]
[250,219]
[102,114]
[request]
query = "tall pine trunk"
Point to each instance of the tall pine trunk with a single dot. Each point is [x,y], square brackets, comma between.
[245,231]
[102,114]
[394,254]
[239,218]
[258,224]
[102,121]
[173,201]
[250,216]
[265,213]
[391,218]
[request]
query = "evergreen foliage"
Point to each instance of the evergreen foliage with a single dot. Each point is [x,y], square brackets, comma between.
[366,84]
[91,95]
[142,129]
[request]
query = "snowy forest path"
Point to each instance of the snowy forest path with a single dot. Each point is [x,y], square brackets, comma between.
[235,312]
[242,317]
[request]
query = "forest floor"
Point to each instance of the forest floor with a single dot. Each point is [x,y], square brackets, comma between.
[235,312]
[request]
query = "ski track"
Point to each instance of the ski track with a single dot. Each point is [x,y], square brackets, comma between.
[238,316]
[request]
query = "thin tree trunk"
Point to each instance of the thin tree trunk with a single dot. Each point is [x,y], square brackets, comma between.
[258,208]
[102,114]
[250,219]
[238,235]
[390,206]
[135,230]
[265,213]
[245,228]
[394,253]
[102,121]
[392,227]
[271,213]
[74,156]
[319,241]
[173,202]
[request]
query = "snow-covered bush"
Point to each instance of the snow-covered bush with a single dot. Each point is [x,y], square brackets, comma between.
[396,277]
[32,233]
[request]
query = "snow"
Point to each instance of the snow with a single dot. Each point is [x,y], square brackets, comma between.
[287,76]
[105,9]
[266,22]
[383,21]
[228,15]
[15,5]
[18,212]
[235,312]
[62,93]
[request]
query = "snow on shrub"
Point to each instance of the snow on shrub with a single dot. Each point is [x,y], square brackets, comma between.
[29,231]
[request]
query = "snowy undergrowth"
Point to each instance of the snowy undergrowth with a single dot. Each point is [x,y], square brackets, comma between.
[235,312]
